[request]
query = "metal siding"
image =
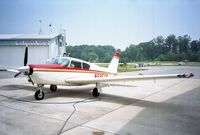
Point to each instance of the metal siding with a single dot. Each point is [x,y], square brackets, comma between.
[7,42]
[13,56]
[53,48]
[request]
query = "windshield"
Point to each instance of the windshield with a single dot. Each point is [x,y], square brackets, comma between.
[59,61]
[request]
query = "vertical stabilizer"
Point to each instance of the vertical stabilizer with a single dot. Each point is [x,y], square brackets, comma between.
[114,63]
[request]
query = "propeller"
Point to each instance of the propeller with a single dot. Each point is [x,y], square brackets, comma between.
[26,56]
[17,74]
[25,60]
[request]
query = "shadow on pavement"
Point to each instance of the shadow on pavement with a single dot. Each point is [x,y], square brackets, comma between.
[179,115]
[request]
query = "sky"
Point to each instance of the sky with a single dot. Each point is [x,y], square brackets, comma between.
[102,22]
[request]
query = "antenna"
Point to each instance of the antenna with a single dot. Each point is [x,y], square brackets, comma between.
[50,27]
[61,29]
[40,31]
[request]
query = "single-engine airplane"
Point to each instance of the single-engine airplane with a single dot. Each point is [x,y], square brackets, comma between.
[75,72]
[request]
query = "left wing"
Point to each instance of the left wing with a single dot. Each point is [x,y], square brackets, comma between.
[10,70]
[81,81]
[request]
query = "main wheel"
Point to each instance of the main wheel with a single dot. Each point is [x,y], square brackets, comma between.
[95,92]
[53,87]
[39,95]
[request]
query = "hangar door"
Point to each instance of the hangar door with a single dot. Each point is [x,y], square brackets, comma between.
[13,55]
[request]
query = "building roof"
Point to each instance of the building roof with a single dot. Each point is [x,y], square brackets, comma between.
[26,36]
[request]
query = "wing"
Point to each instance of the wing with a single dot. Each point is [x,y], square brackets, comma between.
[81,81]
[18,71]
[12,70]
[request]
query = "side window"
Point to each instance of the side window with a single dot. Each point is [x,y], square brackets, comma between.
[86,66]
[65,62]
[75,64]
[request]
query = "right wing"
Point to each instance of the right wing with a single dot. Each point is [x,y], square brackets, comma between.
[82,81]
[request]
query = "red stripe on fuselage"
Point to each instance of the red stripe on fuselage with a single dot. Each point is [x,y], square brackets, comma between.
[59,68]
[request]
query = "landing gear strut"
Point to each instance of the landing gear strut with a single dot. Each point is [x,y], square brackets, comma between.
[96,90]
[39,94]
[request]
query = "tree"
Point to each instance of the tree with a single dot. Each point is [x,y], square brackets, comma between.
[91,52]
[183,43]
[195,46]
[146,50]
[93,56]
[160,45]
[130,53]
[140,54]
[172,43]
[171,48]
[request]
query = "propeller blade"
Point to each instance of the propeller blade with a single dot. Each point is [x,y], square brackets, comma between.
[17,74]
[30,80]
[26,56]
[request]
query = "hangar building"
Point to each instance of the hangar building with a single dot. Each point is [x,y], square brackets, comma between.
[40,48]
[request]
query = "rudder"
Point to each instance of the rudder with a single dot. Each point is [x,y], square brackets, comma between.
[114,63]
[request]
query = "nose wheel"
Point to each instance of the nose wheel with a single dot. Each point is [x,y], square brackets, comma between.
[39,94]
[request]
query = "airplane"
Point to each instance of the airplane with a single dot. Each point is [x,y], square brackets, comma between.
[70,71]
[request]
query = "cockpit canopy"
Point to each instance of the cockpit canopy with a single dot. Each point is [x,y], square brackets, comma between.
[59,61]
[64,61]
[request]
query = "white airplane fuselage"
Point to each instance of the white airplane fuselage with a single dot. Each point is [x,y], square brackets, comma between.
[60,69]
[57,74]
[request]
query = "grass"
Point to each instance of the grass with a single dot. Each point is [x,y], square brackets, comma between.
[129,69]
[174,63]
[122,68]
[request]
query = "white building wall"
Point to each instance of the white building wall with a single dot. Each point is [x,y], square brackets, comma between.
[53,48]
[13,55]
[38,54]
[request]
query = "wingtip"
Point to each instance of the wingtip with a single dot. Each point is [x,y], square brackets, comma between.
[185,75]
[191,75]
[3,69]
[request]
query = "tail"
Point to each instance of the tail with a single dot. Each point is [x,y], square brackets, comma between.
[114,63]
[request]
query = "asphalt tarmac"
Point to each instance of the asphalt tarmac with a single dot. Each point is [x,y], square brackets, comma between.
[154,107]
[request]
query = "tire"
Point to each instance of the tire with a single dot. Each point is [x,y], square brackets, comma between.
[53,88]
[39,95]
[95,92]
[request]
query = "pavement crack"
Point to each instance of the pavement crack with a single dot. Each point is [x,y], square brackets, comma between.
[135,101]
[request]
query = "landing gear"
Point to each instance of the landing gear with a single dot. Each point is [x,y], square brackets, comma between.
[39,95]
[53,88]
[95,92]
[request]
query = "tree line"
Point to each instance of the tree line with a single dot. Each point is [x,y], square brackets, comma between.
[171,48]
[91,53]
